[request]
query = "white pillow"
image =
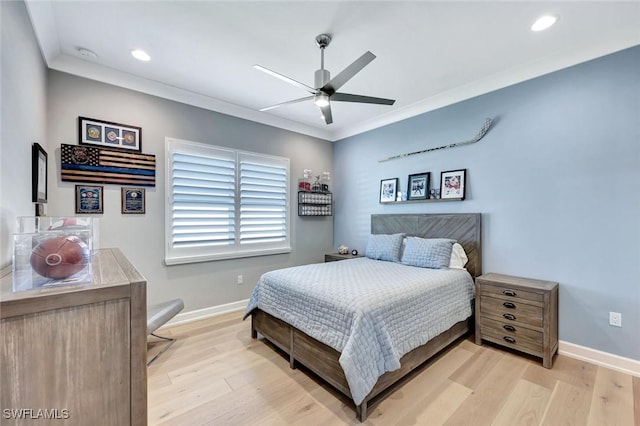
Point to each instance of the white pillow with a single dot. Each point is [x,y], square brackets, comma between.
[458,257]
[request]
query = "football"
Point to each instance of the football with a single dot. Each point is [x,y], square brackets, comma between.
[60,257]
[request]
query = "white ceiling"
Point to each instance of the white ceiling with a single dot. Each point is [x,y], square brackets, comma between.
[429,53]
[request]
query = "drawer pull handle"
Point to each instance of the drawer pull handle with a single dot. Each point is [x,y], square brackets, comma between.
[509,327]
[509,305]
[509,339]
[509,317]
[509,293]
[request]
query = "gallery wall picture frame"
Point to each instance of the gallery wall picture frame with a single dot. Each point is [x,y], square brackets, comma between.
[89,199]
[418,186]
[108,134]
[39,170]
[452,184]
[388,190]
[133,200]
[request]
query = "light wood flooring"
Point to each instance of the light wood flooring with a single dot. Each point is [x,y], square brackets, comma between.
[215,374]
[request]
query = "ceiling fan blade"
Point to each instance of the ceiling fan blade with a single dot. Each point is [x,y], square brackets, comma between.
[347,97]
[345,75]
[295,101]
[326,114]
[285,79]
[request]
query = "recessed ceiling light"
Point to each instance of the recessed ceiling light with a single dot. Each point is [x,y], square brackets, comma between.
[543,23]
[140,55]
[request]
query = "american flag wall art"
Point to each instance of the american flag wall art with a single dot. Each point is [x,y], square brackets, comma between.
[98,165]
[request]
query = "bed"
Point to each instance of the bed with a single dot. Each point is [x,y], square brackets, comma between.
[363,353]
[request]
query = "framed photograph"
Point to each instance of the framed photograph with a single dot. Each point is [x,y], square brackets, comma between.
[418,188]
[110,135]
[388,190]
[452,184]
[133,200]
[38,174]
[89,199]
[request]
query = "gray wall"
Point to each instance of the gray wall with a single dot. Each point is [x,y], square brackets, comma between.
[23,118]
[141,237]
[557,181]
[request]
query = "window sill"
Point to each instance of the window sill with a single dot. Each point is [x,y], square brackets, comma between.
[224,256]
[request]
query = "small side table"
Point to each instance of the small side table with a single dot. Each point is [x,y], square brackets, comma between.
[333,257]
[519,313]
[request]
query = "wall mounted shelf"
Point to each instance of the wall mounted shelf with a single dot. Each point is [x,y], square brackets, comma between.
[428,200]
[315,203]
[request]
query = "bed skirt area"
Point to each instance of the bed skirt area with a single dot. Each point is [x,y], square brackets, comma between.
[324,360]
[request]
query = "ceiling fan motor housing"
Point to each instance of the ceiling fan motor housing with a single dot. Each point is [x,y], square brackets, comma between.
[322,77]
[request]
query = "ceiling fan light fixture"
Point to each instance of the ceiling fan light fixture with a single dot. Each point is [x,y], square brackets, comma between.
[321,100]
[543,23]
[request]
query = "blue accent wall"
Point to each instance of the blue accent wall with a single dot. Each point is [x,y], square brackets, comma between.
[557,180]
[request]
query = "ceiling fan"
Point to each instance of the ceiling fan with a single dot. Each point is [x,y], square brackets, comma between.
[327,88]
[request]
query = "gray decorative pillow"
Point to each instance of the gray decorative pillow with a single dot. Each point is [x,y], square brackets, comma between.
[385,247]
[434,253]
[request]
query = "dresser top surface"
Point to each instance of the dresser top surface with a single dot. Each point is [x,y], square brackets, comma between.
[110,268]
[520,282]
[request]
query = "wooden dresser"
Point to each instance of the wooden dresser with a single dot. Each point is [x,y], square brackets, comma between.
[77,351]
[519,313]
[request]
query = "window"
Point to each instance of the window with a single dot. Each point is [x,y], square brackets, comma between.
[223,203]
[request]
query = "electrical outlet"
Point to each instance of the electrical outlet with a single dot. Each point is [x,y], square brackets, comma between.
[240,279]
[615,319]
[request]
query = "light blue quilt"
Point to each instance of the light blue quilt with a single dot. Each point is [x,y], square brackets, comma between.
[371,311]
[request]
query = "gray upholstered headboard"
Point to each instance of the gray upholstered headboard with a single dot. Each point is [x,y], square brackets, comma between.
[462,227]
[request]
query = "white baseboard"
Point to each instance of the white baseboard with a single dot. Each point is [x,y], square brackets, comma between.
[603,359]
[212,311]
[594,356]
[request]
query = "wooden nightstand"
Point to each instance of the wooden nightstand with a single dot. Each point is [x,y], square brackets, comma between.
[332,257]
[519,313]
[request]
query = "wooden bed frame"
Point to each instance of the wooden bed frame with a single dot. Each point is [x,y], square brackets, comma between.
[323,360]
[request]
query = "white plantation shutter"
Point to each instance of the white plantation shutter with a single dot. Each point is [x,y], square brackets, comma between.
[263,200]
[203,201]
[224,203]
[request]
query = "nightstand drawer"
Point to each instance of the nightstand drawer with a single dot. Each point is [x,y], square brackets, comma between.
[511,310]
[514,336]
[509,293]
